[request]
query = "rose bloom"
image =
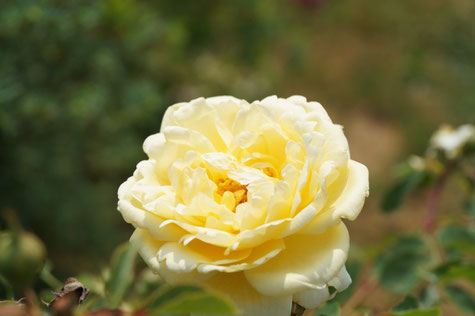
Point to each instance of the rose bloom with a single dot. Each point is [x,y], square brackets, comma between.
[247,199]
[451,141]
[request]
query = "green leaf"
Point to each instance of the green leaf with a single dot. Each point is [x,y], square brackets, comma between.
[409,303]
[398,268]
[421,312]
[396,194]
[331,308]
[469,206]
[457,237]
[199,303]
[453,270]
[461,298]
[122,274]
[163,296]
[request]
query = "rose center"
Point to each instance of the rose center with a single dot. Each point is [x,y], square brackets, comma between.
[230,193]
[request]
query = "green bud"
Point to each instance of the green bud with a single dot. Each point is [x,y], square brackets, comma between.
[22,256]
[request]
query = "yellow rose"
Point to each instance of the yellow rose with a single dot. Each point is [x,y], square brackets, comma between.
[247,199]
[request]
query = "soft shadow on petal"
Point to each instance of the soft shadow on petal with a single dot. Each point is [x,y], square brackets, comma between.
[308,262]
[247,299]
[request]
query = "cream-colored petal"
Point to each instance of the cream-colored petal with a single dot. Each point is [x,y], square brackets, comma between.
[182,277]
[179,257]
[342,281]
[280,202]
[351,200]
[346,198]
[226,108]
[189,138]
[308,262]
[147,247]
[336,145]
[150,222]
[312,299]
[199,116]
[299,221]
[164,154]
[247,299]
[260,255]
[250,118]
[208,235]
[253,237]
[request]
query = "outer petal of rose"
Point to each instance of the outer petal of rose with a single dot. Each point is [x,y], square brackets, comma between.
[248,300]
[192,116]
[147,247]
[150,222]
[211,236]
[164,153]
[179,257]
[188,137]
[313,298]
[347,204]
[308,262]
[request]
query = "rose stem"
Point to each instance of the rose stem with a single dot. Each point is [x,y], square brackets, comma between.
[434,195]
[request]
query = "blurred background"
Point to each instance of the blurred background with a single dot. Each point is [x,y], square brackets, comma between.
[82,83]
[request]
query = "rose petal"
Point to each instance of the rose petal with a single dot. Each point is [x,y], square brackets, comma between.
[260,255]
[312,299]
[179,257]
[346,198]
[247,299]
[147,247]
[150,222]
[308,262]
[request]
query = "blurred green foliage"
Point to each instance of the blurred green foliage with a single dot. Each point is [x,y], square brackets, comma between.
[82,83]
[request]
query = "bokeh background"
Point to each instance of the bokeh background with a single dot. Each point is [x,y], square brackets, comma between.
[82,83]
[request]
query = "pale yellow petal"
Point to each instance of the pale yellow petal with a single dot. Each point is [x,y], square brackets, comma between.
[308,262]
[259,235]
[346,198]
[199,116]
[147,247]
[247,299]
[212,236]
[150,222]
[179,257]
[312,299]
[259,255]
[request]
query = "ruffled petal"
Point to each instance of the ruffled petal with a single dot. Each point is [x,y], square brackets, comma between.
[150,222]
[186,258]
[346,198]
[314,298]
[308,262]
[260,255]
